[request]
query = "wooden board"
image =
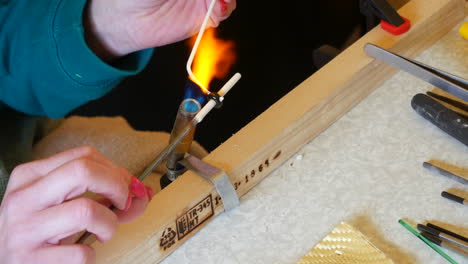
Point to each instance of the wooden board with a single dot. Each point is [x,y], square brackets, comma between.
[180,210]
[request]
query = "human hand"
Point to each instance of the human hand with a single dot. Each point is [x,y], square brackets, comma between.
[40,209]
[119,27]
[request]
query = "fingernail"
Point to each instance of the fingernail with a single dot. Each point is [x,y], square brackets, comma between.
[129,201]
[223,6]
[137,188]
[149,192]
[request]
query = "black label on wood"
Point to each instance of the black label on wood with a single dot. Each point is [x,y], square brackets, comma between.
[194,217]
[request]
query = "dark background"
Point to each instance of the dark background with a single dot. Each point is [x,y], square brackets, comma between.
[275,41]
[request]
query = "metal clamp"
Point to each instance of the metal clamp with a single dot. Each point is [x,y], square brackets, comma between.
[217,98]
[217,177]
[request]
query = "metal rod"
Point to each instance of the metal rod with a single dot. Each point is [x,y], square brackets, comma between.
[425,240]
[454,103]
[167,150]
[443,230]
[442,235]
[454,198]
[444,244]
[445,173]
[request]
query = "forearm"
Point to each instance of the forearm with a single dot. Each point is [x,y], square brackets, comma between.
[115,28]
[104,33]
[47,67]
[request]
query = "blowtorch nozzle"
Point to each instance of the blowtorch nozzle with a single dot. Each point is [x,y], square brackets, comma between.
[187,111]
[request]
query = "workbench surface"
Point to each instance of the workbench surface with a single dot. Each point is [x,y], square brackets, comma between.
[366,169]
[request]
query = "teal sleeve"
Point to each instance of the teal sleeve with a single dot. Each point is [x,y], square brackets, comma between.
[46,67]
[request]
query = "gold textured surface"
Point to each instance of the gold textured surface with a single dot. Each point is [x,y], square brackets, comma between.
[345,245]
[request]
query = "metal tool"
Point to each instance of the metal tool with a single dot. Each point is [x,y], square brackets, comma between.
[193,123]
[176,141]
[451,122]
[426,241]
[217,177]
[443,230]
[444,172]
[376,10]
[213,174]
[167,150]
[444,244]
[457,104]
[187,110]
[455,198]
[450,83]
[444,236]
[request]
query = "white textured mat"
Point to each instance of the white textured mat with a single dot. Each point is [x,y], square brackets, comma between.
[366,169]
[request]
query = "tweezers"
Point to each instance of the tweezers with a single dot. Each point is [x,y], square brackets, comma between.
[454,123]
[450,83]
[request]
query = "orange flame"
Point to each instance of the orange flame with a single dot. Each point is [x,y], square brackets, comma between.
[214,58]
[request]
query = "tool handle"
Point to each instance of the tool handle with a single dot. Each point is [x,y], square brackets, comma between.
[447,120]
[383,10]
[452,197]
[443,230]
[432,238]
[427,229]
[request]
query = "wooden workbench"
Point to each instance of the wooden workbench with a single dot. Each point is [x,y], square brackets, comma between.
[365,169]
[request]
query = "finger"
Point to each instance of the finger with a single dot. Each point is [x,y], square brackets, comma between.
[27,173]
[70,254]
[73,238]
[222,10]
[136,210]
[75,178]
[61,221]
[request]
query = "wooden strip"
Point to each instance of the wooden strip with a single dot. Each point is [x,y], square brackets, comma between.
[188,204]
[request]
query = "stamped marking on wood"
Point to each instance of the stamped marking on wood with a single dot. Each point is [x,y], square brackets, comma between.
[168,238]
[250,176]
[195,217]
[188,222]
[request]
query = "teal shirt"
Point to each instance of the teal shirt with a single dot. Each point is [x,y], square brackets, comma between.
[47,70]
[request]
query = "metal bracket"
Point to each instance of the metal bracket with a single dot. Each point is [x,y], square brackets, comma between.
[217,177]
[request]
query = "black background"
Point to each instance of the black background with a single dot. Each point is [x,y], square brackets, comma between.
[274,44]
